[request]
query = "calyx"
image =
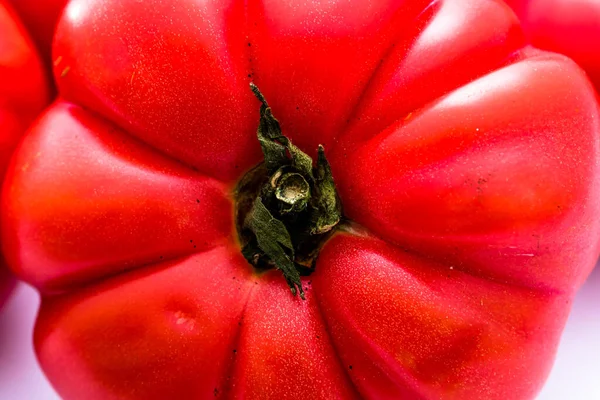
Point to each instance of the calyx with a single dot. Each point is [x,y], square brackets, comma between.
[286,208]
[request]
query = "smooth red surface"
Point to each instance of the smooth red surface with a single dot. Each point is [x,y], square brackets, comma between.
[23,94]
[466,159]
[570,27]
[40,18]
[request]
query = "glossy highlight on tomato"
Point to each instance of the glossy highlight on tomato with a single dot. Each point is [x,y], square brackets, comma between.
[23,94]
[465,161]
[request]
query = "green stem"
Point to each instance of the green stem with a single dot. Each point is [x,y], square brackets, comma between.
[286,208]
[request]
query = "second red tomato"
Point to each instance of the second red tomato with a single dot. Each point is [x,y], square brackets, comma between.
[23,94]
[564,26]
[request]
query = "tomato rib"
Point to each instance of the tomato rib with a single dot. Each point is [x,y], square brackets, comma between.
[404,40]
[411,327]
[346,368]
[111,210]
[183,338]
[428,67]
[228,379]
[460,170]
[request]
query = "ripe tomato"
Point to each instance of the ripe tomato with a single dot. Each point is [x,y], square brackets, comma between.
[23,94]
[6,284]
[465,163]
[565,26]
[40,18]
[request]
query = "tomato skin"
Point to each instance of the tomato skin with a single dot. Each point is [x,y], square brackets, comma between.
[23,94]
[40,18]
[6,284]
[568,27]
[465,159]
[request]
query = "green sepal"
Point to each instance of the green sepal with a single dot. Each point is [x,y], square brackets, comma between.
[287,207]
[326,203]
[274,240]
[275,146]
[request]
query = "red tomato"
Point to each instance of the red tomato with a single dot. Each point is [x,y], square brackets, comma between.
[40,17]
[570,27]
[466,161]
[23,94]
[6,284]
